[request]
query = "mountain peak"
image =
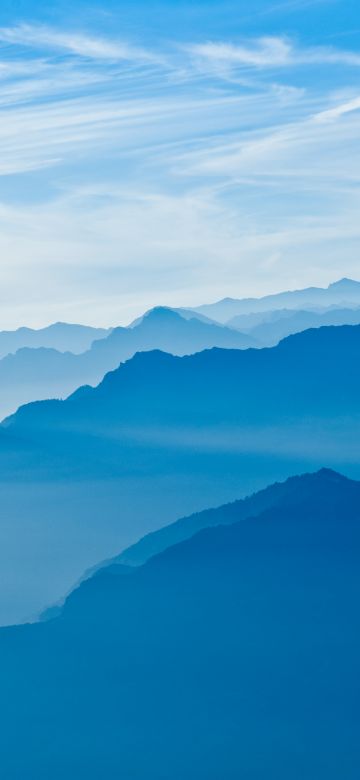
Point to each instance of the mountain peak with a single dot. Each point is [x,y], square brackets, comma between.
[329,473]
[344,283]
[161,314]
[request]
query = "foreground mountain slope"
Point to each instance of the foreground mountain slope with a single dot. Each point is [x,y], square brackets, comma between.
[233,654]
[341,293]
[278,495]
[160,438]
[36,374]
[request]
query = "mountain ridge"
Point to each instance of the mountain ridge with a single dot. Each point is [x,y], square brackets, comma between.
[227,308]
[184,528]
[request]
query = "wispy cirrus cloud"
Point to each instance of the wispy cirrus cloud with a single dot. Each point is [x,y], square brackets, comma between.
[270,52]
[339,110]
[299,151]
[59,131]
[80,44]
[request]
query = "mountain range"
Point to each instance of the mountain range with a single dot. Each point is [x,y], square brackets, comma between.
[231,654]
[62,336]
[273,326]
[342,293]
[54,361]
[36,374]
[161,437]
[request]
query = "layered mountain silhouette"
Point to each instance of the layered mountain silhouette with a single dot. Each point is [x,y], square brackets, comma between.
[232,654]
[342,293]
[54,361]
[62,336]
[314,373]
[161,437]
[186,314]
[271,327]
[31,374]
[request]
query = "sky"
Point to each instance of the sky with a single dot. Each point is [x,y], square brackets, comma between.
[174,153]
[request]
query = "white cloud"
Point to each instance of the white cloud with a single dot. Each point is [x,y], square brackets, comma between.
[269,52]
[61,130]
[75,43]
[263,52]
[16,68]
[306,153]
[338,111]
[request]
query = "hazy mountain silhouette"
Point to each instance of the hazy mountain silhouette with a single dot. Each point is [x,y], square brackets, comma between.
[166,329]
[343,293]
[37,374]
[62,336]
[161,437]
[186,314]
[232,654]
[276,325]
[299,319]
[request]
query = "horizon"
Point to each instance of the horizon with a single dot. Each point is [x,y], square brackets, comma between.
[123,322]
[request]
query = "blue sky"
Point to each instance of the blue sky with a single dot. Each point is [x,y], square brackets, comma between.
[174,152]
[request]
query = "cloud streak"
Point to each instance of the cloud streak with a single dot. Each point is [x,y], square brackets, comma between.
[270,52]
[79,44]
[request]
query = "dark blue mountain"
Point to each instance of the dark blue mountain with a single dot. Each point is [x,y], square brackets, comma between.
[281,494]
[233,654]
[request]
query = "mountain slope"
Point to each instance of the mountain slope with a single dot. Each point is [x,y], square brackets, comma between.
[342,293]
[275,496]
[233,654]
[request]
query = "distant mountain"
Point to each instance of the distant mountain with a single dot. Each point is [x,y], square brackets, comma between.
[278,325]
[246,322]
[31,374]
[160,438]
[167,330]
[186,314]
[35,374]
[344,293]
[62,336]
[233,654]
